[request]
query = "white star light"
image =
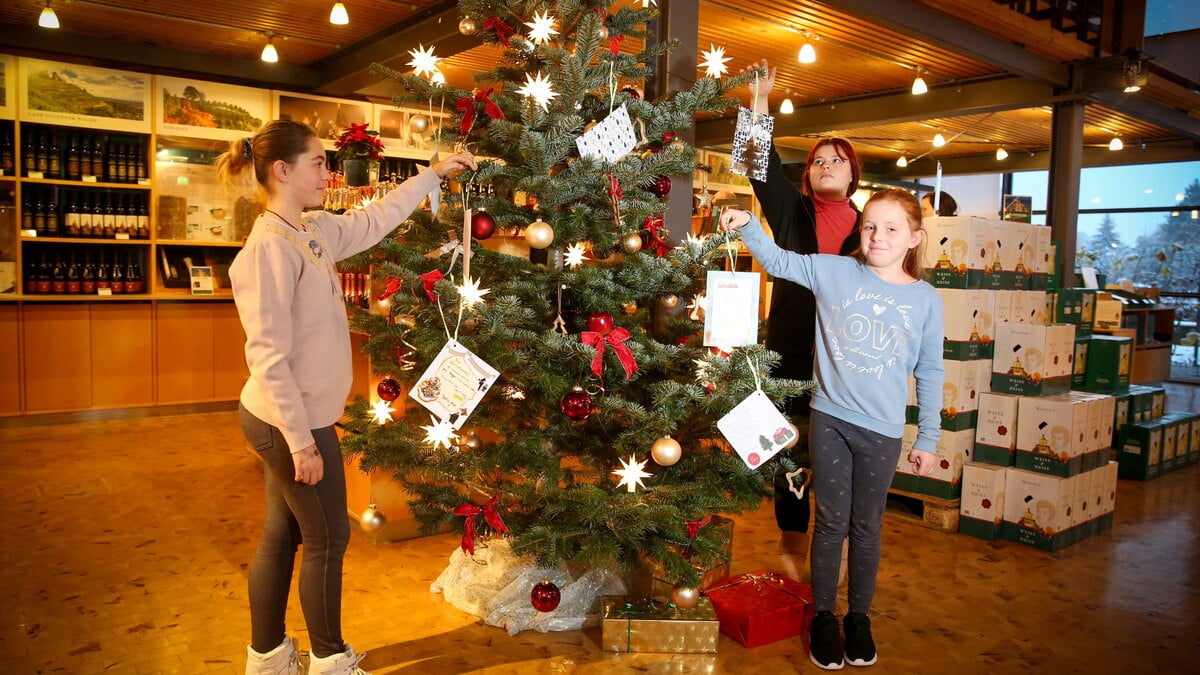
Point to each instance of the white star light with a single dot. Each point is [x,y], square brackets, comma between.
[575,255]
[541,28]
[714,61]
[631,473]
[538,88]
[423,61]
[365,199]
[440,433]
[471,293]
[381,412]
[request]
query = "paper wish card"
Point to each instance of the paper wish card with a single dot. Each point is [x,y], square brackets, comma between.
[731,312]
[611,139]
[454,384]
[757,430]
[752,144]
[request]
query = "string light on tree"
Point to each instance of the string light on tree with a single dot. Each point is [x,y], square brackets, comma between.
[440,434]
[423,61]
[714,61]
[541,28]
[576,253]
[381,412]
[631,473]
[539,89]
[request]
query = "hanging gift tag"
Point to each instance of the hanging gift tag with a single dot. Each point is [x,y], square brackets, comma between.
[731,310]
[611,139]
[751,144]
[757,430]
[454,384]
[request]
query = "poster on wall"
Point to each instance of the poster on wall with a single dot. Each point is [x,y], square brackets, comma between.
[408,132]
[84,96]
[8,90]
[326,116]
[209,110]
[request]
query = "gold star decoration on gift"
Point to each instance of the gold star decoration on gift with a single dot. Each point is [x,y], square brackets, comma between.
[541,28]
[714,61]
[576,253]
[423,61]
[381,412]
[440,433]
[538,88]
[631,473]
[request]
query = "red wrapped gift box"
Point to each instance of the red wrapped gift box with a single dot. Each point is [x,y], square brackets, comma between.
[761,607]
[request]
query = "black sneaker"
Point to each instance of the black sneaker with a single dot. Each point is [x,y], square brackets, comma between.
[860,647]
[824,642]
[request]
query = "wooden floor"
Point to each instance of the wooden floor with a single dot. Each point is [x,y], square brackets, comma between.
[125,549]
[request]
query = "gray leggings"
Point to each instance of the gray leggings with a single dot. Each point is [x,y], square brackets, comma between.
[314,515]
[852,471]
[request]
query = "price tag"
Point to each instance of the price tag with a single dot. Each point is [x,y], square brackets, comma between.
[122,235]
[88,178]
[103,291]
[35,174]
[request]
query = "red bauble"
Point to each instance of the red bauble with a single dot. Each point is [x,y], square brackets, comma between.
[388,389]
[661,186]
[576,405]
[483,225]
[600,322]
[545,596]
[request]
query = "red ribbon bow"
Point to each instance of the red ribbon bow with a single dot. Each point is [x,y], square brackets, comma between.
[503,30]
[653,225]
[615,337]
[470,510]
[428,280]
[392,287]
[466,105]
[614,187]
[614,44]
[693,527]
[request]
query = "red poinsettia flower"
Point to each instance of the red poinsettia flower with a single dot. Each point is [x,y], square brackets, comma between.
[356,142]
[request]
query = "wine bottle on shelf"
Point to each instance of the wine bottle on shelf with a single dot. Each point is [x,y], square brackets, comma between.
[103,281]
[110,164]
[143,220]
[58,276]
[43,285]
[110,218]
[54,161]
[133,275]
[31,277]
[42,158]
[116,276]
[72,217]
[87,276]
[52,217]
[86,229]
[74,283]
[121,228]
[73,158]
[39,216]
[28,156]
[143,170]
[85,157]
[27,213]
[97,158]
[123,162]
[7,154]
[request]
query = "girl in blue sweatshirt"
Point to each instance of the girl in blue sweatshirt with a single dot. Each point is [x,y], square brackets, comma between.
[877,321]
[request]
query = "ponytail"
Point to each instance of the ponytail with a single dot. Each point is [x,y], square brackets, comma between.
[278,140]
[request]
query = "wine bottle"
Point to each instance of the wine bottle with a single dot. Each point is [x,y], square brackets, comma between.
[87,276]
[133,276]
[74,284]
[121,227]
[73,158]
[97,158]
[58,276]
[31,277]
[28,156]
[27,213]
[52,217]
[42,158]
[116,276]
[86,227]
[43,284]
[110,218]
[54,161]
[72,218]
[85,157]
[7,154]
[102,279]
[39,216]
[140,162]
[143,220]
[110,164]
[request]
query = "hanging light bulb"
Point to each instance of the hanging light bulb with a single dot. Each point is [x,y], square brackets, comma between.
[48,19]
[786,108]
[938,140]
[1116,144]
[918,86]
[269,54]
[902,161]
[338,14]
[1001,154]
[807,53]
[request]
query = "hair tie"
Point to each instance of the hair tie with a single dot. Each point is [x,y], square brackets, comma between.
[248,149]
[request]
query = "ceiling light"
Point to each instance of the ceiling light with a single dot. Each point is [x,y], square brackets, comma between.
[902,161]
[48,19]
[786,108]
[807,53]
[1133,72]
[338,14]
[269,54]
[1001,154]
[938,140]
[1116,144]
[919,87]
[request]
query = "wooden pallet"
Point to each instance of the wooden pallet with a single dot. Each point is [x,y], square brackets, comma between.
[932,512]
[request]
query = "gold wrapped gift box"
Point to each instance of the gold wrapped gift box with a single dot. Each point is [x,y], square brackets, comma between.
[634,624]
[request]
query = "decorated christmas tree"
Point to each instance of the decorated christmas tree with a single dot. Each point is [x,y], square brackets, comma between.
[565,393]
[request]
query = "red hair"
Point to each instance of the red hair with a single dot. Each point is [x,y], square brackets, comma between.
[844,150]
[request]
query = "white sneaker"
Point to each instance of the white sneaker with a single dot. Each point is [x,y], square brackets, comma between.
[345,663]
[283,660]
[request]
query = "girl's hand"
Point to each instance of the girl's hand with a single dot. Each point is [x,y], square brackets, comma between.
[459,161]
[733,219]
[922,462]
[309,467]
[762,85]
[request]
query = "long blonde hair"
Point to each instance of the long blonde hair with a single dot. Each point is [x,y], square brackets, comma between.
[278,140]
[912,211]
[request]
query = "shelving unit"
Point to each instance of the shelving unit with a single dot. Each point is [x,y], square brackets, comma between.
[1153,332]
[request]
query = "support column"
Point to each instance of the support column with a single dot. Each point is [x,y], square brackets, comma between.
[676,71]
[1062,194]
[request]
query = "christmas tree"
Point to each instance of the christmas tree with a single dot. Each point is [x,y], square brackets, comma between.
[597,442]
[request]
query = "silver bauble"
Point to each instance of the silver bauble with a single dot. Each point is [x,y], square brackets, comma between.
[372,519]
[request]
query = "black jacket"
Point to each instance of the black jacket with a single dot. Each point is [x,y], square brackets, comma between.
[791,325]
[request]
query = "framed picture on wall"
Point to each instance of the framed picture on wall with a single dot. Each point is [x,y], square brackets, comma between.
[407,132]
[209,110]
[326,116]
[8,89]
[84,96]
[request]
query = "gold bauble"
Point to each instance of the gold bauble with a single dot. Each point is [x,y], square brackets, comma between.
[669,301]
[419,124]
[471,441]
[666,451]
[603,32]
[539,234]
[467,26]
[685,597]
[372,519]
[631,242]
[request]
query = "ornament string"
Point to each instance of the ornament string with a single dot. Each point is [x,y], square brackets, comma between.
[753,364]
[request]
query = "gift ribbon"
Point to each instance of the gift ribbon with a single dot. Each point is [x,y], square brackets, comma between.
[391,287]
[657,243]
[428,280]
[466,105]
[756,579]
[615,337]
[490,515]
[503,30]
[693,527]
[650,606]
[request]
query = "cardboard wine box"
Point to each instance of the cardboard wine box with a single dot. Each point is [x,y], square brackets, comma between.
[1139,451]
[1109,495]
[968,317]
[1051,433]
[905,479]
[1079,367]
[1017,255]
[1110,361]
[996,429]
[1037,509]
[981,511]
[960,395]
[1042,258]
[1033,360]
[1029,307]
[957,249]
[953,452]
